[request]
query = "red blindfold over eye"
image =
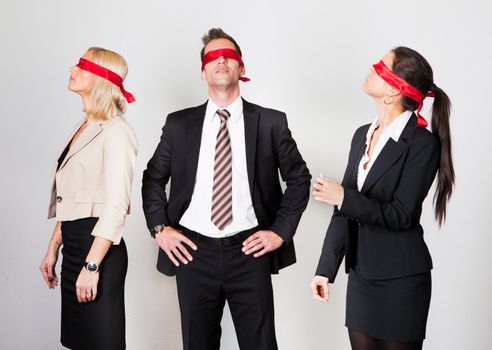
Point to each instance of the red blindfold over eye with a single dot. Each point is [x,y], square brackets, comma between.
[107,74]
[228,53]
[404,88]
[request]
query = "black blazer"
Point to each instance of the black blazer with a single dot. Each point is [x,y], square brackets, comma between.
[270,148]
[378,229]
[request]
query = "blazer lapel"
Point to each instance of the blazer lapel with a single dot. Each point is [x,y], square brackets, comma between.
[390,153]
[353,166]
[92,130]
[251,121]
[194,126]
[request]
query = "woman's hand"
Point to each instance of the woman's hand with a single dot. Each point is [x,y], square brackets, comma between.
[320,289]
[47,268]
[86,286]
[328,191]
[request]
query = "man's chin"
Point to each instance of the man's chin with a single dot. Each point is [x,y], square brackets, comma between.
[223,83]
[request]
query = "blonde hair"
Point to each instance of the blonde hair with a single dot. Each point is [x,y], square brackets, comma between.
[106,98]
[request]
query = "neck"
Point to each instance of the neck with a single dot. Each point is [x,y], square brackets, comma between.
[388,113]
[223,97]
[86,103]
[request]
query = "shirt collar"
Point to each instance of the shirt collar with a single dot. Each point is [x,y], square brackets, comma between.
[393,130]
[235,109]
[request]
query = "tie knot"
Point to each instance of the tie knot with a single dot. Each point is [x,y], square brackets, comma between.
[223,115]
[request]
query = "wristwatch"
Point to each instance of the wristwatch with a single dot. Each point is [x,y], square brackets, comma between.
[156,229]
[92,266]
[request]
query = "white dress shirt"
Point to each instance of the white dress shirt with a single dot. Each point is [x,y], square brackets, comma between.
[393,130]
[198,215]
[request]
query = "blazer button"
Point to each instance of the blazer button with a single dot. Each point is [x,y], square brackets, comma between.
[59,199]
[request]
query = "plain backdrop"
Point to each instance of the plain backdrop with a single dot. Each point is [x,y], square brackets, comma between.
[306,58]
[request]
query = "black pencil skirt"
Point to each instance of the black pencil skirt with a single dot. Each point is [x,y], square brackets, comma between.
[393,310]
[99,324]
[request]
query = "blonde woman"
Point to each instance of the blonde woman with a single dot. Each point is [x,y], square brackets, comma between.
[90,197]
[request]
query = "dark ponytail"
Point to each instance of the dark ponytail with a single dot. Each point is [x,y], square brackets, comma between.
[414,68]
[441,110]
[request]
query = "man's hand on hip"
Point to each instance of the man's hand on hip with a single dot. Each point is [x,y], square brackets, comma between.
[262,242]
[171,242]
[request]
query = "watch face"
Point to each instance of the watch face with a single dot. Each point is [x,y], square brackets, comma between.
[158,228]
[92,266]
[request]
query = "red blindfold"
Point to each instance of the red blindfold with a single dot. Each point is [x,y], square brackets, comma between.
[404,88]
[107,74]
[228,53]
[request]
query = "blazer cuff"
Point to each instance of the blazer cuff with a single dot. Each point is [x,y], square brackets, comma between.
[282,231]
[110,228]
[346,210]
[321,270]
[159,218]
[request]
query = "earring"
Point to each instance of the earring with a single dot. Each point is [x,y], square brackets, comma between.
[388,102]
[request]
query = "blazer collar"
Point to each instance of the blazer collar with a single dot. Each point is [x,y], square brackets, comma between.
[410,128]
[91,131]
[358,150]
[390,153]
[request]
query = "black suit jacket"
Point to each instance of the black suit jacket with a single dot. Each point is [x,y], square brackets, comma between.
[270,148]
[378,229]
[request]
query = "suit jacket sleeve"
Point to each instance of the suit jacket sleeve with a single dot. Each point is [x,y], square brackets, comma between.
[404,209]
[333,249]
[120,153]
[155,179]
[295,173]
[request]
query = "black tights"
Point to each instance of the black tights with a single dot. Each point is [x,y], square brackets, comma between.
[361,341]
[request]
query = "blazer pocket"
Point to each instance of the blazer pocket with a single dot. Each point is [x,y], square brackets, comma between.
[89,196]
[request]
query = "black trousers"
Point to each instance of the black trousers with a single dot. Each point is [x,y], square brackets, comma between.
[100,324]
[221,272]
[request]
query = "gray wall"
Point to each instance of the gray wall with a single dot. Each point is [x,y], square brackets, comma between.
[308,60]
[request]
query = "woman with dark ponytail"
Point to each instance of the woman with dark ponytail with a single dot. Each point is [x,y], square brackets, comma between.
[376,221]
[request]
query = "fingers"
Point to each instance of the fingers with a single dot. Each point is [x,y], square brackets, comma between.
[317,292]
[321,199]
[251,238]
[253,245]
[324,190]
[261,242]
[172,244]
[79,293]
[172,258]
[188,241]
[171,234]
[86,286]
[323,292]
[44,272]
[53,279]
[319,192]
[181,253]
[321,180]
[262,252]
[49,275]
[319,289]
[86,294]
[93,294]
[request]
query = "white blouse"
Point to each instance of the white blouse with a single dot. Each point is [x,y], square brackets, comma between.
[393,130]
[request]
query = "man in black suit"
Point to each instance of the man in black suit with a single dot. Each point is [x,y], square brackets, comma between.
[225,203]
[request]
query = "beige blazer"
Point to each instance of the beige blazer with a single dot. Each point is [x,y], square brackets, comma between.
[95,178]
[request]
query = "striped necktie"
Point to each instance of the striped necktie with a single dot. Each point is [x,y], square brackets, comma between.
[222,188]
